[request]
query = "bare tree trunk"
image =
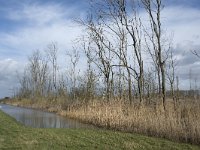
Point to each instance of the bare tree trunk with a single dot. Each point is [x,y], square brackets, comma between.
[52,56]
[74,58]
[177,89]
[129,87]
[140,82]
[37,74]
[159,82]
[153,9]
[163,86]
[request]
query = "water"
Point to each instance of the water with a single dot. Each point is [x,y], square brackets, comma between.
[39,119]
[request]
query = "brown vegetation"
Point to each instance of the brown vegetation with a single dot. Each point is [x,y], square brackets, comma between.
[179,124]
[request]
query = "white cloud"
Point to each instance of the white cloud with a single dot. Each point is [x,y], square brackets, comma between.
[7,65]
[9,69]
[43,24]
[39,15]
[31,38]
[183,22]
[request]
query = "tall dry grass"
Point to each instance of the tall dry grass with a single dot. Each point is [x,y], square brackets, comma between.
[181,123]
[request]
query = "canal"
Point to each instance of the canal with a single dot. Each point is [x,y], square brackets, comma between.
[40,119]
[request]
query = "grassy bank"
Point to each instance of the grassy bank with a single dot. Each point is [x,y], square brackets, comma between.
[179,124]
[15,136]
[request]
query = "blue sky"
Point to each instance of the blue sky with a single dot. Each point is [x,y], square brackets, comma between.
[27,25]
[9,7]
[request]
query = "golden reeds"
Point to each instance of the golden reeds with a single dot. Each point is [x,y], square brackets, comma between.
[180,123]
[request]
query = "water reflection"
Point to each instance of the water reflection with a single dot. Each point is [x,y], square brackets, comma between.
[40,119]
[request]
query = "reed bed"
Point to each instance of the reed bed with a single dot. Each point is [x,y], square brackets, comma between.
[180,124]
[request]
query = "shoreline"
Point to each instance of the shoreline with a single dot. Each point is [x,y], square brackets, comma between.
[62,113]
[105,117]
[36,138]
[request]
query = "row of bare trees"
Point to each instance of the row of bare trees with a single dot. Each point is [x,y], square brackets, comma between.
[119,38]
[128,54]
[37,80]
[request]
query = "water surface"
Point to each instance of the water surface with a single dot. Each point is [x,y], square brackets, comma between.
[39,119]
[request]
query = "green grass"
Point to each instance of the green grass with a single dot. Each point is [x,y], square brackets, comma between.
[16,136]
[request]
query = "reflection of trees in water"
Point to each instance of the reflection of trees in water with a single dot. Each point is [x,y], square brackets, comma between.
[39,119]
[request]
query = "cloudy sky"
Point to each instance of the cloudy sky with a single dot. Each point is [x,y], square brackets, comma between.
[27,25]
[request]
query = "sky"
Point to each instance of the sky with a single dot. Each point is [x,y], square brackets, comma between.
[27,25]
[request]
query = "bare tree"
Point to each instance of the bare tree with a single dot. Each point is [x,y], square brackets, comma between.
[196,92]
[170,74]
[90,74]
[100,48]
[133,27]
[38,71]
[24,81]
[153,8]
[52,53]
[150,84]
[196,53]
[73,73]
[114,20]
[62,87]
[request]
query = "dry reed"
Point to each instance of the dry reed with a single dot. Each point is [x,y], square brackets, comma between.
[180,123]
